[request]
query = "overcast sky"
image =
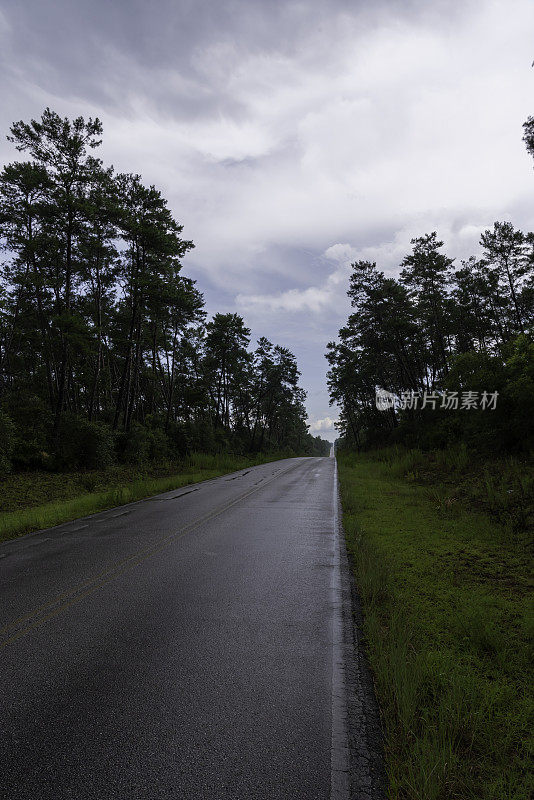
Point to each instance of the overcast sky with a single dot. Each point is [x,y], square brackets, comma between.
[292,138]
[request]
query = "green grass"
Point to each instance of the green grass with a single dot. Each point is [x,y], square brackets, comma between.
[448,625]
[31,501]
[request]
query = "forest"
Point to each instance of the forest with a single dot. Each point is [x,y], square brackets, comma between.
[451,342]
[106,352]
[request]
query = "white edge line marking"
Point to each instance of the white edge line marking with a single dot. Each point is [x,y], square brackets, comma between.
[340,775]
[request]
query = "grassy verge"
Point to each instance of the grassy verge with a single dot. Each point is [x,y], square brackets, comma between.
[445,591]
[69,496]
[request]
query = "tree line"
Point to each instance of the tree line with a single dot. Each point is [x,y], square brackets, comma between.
[105,349]
[440,332]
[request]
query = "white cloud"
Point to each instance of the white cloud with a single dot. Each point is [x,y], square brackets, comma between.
[325,425]
[313,298]
[331,292]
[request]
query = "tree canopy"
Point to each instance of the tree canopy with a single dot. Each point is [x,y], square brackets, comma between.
[103,339]
[440,328]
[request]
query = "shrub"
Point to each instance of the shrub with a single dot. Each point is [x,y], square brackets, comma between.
[33,424]
[83,445]
[179,439]
[202,438]
[142,444]
[132,447]
[7,441]
[158,444]
[509,497]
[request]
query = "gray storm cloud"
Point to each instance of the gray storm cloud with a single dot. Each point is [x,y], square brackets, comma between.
[292,138]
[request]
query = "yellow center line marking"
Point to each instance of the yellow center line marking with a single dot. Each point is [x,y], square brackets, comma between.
[119,568]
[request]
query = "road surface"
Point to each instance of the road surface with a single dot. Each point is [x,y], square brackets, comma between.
[197,644]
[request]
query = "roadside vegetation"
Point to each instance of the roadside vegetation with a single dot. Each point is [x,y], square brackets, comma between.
[434,377]
[36,500]
[441,548]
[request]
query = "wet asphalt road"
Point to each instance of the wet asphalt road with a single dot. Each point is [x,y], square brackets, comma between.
[185,646]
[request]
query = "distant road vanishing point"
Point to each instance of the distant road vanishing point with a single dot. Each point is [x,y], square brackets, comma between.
[197,644]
